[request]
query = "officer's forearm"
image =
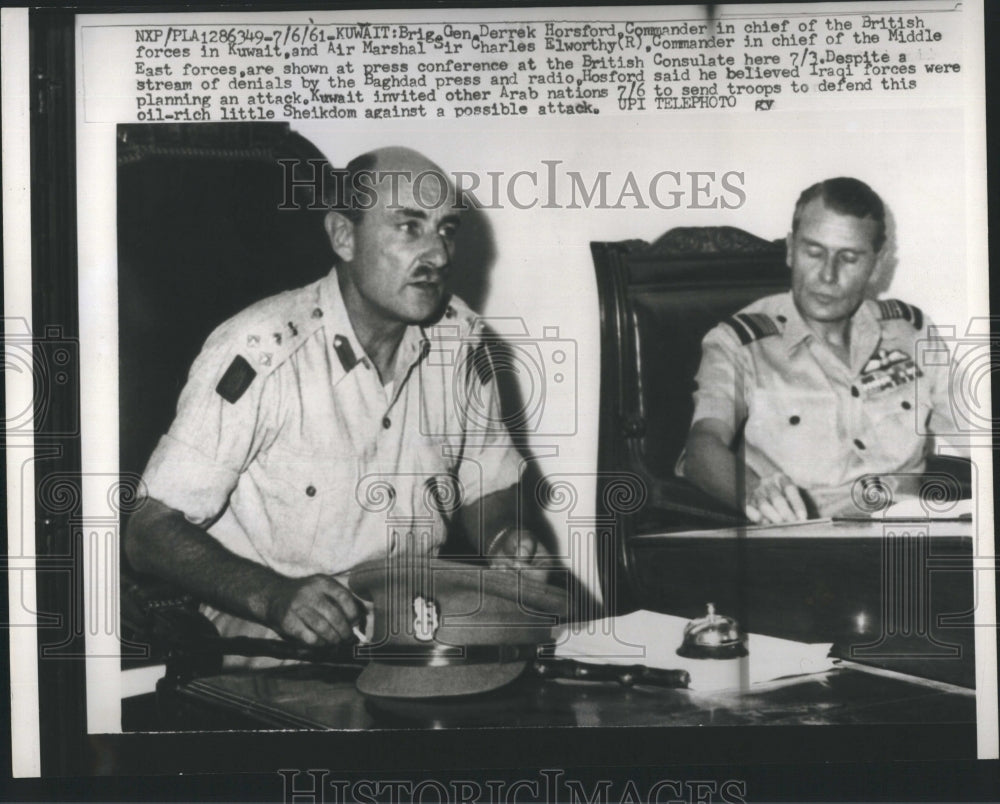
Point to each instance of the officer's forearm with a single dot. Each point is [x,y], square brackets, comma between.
[712,466]
[160,541]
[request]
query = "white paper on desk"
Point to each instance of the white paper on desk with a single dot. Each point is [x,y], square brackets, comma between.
[915,508]
[645,637]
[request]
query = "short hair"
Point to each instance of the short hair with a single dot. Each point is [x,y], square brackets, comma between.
[341,186]
[846,196]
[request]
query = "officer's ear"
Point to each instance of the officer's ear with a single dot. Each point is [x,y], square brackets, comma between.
[789,248]
[340,231]
[878,274]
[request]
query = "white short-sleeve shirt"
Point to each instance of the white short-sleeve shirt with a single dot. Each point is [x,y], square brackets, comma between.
[824,423]
[290,451]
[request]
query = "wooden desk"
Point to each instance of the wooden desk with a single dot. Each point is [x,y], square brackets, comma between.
[897,594]
[868,588]
[316,697]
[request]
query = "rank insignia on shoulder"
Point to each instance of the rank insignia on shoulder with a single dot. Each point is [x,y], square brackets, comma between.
[236,380]
[890,309]
[750,327]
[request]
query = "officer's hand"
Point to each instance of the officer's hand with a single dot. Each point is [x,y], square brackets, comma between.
[316,610]
[519,549]
[776,500]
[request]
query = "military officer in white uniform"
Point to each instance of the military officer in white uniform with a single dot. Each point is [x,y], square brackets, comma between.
[329,425]
[822,382]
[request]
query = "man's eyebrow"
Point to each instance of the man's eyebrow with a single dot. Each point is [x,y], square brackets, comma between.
[810,242]
[410,212]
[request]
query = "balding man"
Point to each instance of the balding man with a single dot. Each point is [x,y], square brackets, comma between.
[327,426]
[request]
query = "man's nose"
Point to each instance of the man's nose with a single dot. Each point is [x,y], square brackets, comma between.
[438,251]
[829,270]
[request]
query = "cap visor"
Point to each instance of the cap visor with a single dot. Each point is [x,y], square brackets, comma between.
[387,680]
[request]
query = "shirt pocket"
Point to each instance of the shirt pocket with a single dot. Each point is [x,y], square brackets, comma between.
[296,491]
[798,432]
[898,418]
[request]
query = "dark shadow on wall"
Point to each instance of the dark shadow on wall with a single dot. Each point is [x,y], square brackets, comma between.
[200,237]
[475,255]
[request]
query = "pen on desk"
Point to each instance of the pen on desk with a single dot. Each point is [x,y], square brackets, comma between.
[339,654]
[797,523]
[626,675]
[874,520]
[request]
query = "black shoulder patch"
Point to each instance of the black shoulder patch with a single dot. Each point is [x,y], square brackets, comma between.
[236,380]
[345,353]
[889,309]
[750,327]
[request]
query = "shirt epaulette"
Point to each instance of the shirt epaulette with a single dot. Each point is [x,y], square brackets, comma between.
[889,309]
[265,335]
[750,327]
[275,328]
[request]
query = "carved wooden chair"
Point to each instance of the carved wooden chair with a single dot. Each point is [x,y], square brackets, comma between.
[657,302]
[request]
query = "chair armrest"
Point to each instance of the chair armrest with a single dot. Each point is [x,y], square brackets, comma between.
[956,469]
[688,507]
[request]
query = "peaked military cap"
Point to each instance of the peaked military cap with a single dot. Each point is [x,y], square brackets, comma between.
[442,628]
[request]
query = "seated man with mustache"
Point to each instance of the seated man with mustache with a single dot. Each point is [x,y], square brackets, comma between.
[818,386]
[321,428]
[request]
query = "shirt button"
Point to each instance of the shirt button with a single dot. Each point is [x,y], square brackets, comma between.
[854,391]
[386,422]
[310,491]
[906,405]
[317,313]
[859,443]
[794,420]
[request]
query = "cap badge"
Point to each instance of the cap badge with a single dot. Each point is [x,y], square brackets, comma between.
[427,619]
